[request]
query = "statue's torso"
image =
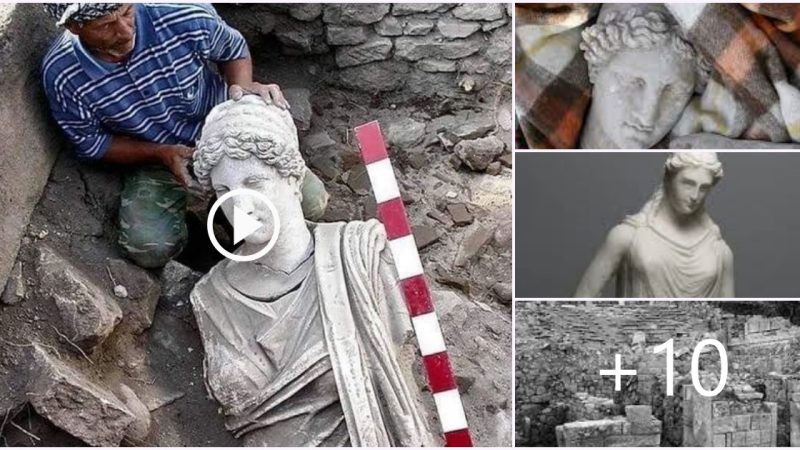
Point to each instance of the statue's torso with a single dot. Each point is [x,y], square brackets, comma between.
[268,365]
[658,266]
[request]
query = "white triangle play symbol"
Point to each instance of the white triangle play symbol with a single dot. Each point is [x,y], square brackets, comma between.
[243,225]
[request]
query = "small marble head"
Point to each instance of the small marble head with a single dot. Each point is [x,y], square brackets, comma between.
[689,178]
[643,72]
[248,144]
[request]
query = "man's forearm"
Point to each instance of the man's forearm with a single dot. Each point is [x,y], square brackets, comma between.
[238,72]
[130,151]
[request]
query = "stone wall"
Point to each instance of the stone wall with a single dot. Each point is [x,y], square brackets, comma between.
[562,347]
[637,429]
[732,419]
[29,144]
[423,49]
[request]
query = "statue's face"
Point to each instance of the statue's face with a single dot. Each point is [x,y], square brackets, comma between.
[640,95]
[252,173]
[688,189]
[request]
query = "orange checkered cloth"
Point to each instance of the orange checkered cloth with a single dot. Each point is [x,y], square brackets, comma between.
[754,50]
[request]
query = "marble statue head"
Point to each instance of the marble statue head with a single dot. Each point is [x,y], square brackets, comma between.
[643,72]
[689,178]
[248,144]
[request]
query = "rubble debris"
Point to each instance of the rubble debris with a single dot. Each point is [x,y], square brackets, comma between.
[460,214]
[87,313]
[424,236]
[300,101]
[77,405]
[142,292]
[477,154]
[178,281]
[15,289]
[474,239]
[405,133]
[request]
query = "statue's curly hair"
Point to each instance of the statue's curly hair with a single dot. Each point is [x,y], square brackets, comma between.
[635,28]
[249,127]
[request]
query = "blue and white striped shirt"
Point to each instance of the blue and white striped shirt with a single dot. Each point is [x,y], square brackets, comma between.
[161,93]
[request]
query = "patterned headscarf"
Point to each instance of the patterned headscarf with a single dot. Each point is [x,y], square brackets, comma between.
[79,12]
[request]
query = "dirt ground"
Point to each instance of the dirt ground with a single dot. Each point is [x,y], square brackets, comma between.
[163,365]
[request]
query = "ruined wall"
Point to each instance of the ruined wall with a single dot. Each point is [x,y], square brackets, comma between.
[731,419]
[29,144]
[423,49]
[637,429]
[560,349]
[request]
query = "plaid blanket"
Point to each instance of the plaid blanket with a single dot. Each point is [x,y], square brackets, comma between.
[753,93]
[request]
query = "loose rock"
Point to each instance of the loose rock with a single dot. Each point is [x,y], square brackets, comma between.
[460,214]
[87,313]
[300,101]
[142,292]
[15,286]
[474,239]
[477,154]
[405,133]
[77,405]
[425,236]
[503,292]
[178,281]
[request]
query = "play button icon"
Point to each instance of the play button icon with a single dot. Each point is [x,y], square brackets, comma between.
[243,224]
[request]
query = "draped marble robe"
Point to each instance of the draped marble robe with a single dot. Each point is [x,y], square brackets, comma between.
[657,266]
[317,365]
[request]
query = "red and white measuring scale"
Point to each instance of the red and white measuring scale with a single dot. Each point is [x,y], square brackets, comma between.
[414,286]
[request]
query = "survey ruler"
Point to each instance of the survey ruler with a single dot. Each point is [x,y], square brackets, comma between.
[414,286]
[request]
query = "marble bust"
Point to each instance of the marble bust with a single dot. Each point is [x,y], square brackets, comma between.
[671,248]
[301,345]
[643,75]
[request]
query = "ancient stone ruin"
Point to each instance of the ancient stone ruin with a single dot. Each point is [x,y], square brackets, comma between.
[638,428]
[562,347]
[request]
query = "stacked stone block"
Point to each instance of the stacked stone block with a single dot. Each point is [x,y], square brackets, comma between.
[638,428]
[739,420]
[380,47]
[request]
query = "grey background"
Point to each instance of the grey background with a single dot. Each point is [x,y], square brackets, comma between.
[567,202]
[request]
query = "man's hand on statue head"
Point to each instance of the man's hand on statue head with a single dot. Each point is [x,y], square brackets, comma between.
[177,159]
[271,93]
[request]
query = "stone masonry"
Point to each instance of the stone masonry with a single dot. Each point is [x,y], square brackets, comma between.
[638,428]
[426,49]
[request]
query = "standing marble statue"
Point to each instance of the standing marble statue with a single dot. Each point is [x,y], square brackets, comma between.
[643,75]
[671,248]
[301,345]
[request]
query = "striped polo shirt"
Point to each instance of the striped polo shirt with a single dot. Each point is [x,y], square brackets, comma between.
[160,94]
